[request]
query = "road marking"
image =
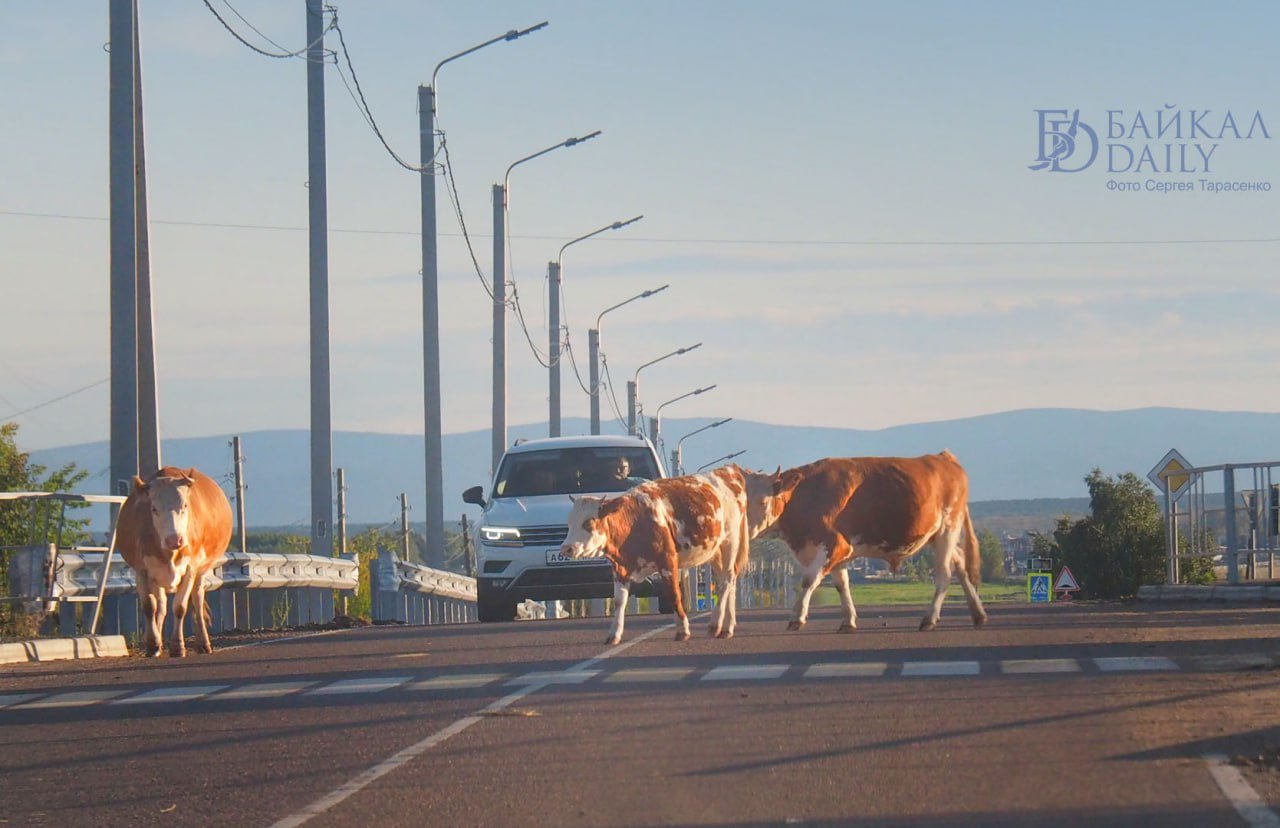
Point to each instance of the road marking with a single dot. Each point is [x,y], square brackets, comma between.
[746,672]
[940,668]
[372,684]
[554,677]
[1040,665]
[464,681]
[647,674]
[857,669]
[1239,793]
[17,698]
[368,777]
[266,690]
[1238,661]
[79,698]
[172,694]
[1135,663]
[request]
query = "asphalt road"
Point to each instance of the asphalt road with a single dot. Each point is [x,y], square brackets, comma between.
[1101,714]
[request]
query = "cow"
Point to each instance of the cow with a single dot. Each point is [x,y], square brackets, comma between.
[878,507]
[671,524]
[172,529]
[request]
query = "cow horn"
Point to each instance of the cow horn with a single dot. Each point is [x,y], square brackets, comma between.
[138,483]
[189,475]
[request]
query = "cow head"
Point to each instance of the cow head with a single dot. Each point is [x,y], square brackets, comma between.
[586,538]
[765,499]
[169,498]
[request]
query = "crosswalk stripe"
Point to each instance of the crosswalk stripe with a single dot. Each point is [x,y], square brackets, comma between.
[79,698]
[941,668]
[457,682]
[265,690]
[1040,665]
[17,698]
[1135,663]
[647,674]
[374,684]
[172,694]
[555,677]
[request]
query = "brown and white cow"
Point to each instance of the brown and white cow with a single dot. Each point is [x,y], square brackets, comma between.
[173,529]
[879,507]
[671,524]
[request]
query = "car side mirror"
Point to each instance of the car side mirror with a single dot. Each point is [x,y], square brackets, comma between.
[474,495]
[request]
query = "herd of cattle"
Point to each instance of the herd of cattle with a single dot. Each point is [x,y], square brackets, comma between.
[826,512]
[176,526]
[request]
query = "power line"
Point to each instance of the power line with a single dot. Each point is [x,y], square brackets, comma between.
[574,362]
[452,190]
[673,240]
[58,399]
[332,24]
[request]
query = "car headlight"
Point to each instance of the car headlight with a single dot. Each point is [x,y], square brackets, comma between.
[500,535]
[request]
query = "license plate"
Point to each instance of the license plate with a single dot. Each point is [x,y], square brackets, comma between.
[555,557]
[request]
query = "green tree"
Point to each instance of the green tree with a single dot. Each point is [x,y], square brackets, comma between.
[992,556]
[19,474]
[365,547]
[1120,545]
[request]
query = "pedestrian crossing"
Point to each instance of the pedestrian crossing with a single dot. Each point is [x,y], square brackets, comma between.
[719,674]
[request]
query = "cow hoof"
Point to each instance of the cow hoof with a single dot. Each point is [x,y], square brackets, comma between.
[795,625]
[150,653]
[926,624]
[205,649]
[979,620]
[847,628]
[725,634]
[612,640]
[682,636]
[713,632]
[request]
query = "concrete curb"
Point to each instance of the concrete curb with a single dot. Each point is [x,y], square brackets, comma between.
[1210,592]
[53,649]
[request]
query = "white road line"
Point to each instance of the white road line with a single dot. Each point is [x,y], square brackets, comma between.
[554,677]
[746,672]
[1134,663]
[371,684]
[78,698]
[368,777]
[265,690]
[857,669]
[648,674]
[17,698]
[940,668]
[463,681]
[1241,796]
[1040,665]
[172,694]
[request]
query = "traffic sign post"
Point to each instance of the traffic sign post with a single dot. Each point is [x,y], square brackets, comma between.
[1065,585]
[1040,580]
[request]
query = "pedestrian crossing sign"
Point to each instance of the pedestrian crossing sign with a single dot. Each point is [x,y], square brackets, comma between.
[1038,587]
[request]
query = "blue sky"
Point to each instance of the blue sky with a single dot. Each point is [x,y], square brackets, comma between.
[837,192]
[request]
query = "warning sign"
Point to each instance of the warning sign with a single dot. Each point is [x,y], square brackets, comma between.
[1066,583]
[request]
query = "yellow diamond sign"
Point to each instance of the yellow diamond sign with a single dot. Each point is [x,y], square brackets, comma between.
[1171,474]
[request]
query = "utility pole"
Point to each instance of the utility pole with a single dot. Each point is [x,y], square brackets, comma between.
[553,352]
[499,426]
[239,475]
[124,255]
[468,554]
[321,422]
[432,436]
[148,406]
[593,350]
[342,513]
[404,526]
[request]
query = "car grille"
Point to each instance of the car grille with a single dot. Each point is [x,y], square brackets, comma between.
[543,535]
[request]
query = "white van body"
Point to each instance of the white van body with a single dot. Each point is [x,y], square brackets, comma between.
[519,534]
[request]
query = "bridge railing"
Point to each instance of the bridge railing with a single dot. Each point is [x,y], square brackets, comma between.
[410,593]
[1229,513]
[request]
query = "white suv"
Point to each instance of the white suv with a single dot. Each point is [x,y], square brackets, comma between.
[524,521]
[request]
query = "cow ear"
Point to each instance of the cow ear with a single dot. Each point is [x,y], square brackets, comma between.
[138,483]
[778,472]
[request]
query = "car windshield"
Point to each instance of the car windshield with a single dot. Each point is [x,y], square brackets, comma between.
[574,471]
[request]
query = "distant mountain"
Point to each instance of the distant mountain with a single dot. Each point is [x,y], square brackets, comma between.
[1016,455]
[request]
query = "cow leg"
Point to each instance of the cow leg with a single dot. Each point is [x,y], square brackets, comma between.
[201,609]
[151,598]
[621,592]
[677,597]
[181,600]
[850,622]
[726,611]
[808,586]
[945,557]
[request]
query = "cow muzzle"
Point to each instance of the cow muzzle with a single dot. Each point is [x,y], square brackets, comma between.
[174,542]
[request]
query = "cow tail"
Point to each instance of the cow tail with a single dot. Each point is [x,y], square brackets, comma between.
[972,551]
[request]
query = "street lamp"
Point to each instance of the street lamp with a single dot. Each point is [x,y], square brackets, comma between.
[720,459]
[553,281]
[593,347]
[634,384]
[499,428]
[655,422]
[677,455]
[432,437]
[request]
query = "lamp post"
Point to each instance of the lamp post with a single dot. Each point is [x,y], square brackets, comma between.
[634,384]
[431,434]
[553,281]
[655,422]
[499,426]
[593,347]
[720,459]
[677,454]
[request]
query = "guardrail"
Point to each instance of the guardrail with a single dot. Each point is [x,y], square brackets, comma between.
[413,594]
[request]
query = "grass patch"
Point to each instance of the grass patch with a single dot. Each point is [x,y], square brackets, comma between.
[870,593]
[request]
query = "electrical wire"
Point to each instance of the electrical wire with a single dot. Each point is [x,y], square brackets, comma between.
[332,24]
[568,349]
[452,190]
[613,400]
[57,399]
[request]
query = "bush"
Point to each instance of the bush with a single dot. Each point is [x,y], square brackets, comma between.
[1120,545]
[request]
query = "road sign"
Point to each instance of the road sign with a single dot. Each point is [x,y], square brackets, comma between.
[1170,474]
[1066,583]
[1038,587]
